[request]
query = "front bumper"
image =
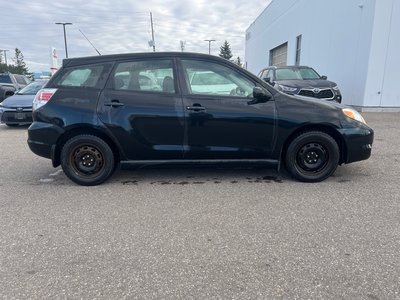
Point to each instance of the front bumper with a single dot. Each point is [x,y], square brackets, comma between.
[14,116]
[358,143]
[42,138]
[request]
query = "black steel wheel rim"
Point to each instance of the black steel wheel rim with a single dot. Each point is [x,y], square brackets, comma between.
[87,161]
[312,157]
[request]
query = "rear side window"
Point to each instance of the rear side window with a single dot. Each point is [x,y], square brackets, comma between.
[5,79]
[83,76]
[145,75]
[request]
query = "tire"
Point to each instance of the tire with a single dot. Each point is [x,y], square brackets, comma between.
[87,160]
[12,125]
[312,156]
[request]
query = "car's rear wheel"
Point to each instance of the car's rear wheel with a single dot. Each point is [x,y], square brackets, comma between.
[87,160]
[312,156]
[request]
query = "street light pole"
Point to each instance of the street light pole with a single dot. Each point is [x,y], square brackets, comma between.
[209,45]
[65,36]
[152,32]
[5,54]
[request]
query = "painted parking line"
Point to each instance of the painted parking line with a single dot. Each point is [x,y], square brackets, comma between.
[46,180]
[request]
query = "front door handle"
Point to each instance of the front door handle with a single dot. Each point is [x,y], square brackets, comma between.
[114,103]
[196,108]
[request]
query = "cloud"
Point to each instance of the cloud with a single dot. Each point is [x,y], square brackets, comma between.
[123,26]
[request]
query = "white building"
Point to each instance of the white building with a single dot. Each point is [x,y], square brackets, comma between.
[356,43]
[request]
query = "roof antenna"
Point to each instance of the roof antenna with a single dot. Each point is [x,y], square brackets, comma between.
[89,41]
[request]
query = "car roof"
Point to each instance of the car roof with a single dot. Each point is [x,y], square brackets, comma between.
[287,67]
[112,57]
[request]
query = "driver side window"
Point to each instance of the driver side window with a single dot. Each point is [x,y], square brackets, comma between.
[208,78]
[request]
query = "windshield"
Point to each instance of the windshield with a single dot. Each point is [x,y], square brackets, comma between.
[32,89]
[296,73]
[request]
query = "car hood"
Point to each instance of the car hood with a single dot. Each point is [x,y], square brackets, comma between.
[308,110]
[316,83]
[18,101]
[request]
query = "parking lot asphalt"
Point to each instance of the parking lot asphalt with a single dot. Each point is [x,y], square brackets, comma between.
[191,233]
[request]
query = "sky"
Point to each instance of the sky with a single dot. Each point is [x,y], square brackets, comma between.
[122,26]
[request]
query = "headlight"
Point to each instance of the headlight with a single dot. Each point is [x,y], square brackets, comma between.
[287,88]
[353,114]
[335,88]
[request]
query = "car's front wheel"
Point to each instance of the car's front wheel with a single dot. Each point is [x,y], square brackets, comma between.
[87,160]
[312,156]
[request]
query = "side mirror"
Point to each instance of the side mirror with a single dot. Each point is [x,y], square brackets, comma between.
[260,95]
[324,77]
[267,79]
[9,94]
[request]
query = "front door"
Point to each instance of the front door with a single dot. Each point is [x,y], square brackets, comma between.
[222,122]
[142,108]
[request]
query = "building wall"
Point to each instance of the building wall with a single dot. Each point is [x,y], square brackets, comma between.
[382,85]
[336,39]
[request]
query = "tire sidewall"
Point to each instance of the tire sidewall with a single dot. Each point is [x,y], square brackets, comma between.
[101,146]
[321,138]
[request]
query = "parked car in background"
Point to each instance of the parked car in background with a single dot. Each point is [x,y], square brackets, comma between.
[301,81]
[11,83]
[17,109]
[95,112]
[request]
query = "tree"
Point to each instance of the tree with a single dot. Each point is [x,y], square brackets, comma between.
[238,61]
[225,51]
[3,66]
[20,66]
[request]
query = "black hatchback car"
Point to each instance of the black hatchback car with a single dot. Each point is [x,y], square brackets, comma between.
[301,81]
[184,107]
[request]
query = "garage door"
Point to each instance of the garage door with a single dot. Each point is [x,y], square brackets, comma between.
[278,55]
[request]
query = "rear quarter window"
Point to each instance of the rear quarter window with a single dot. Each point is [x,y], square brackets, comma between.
[88,76]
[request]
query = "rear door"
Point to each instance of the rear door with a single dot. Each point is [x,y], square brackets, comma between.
[142,108]
[222,122]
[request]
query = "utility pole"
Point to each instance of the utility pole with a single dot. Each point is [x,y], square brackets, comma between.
[5,54]
[152,32]
[183,43]
[65,36]
[209,45]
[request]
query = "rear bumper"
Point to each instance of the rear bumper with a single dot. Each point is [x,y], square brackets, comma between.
[359,142]
[42,138]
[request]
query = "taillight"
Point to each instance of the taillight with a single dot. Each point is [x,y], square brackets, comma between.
[42,97]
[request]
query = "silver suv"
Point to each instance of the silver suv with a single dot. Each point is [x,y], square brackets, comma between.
[11,83]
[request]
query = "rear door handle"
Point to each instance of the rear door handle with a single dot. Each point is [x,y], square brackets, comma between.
[114,103]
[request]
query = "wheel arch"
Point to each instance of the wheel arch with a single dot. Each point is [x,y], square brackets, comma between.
[56,155]
[317,127]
